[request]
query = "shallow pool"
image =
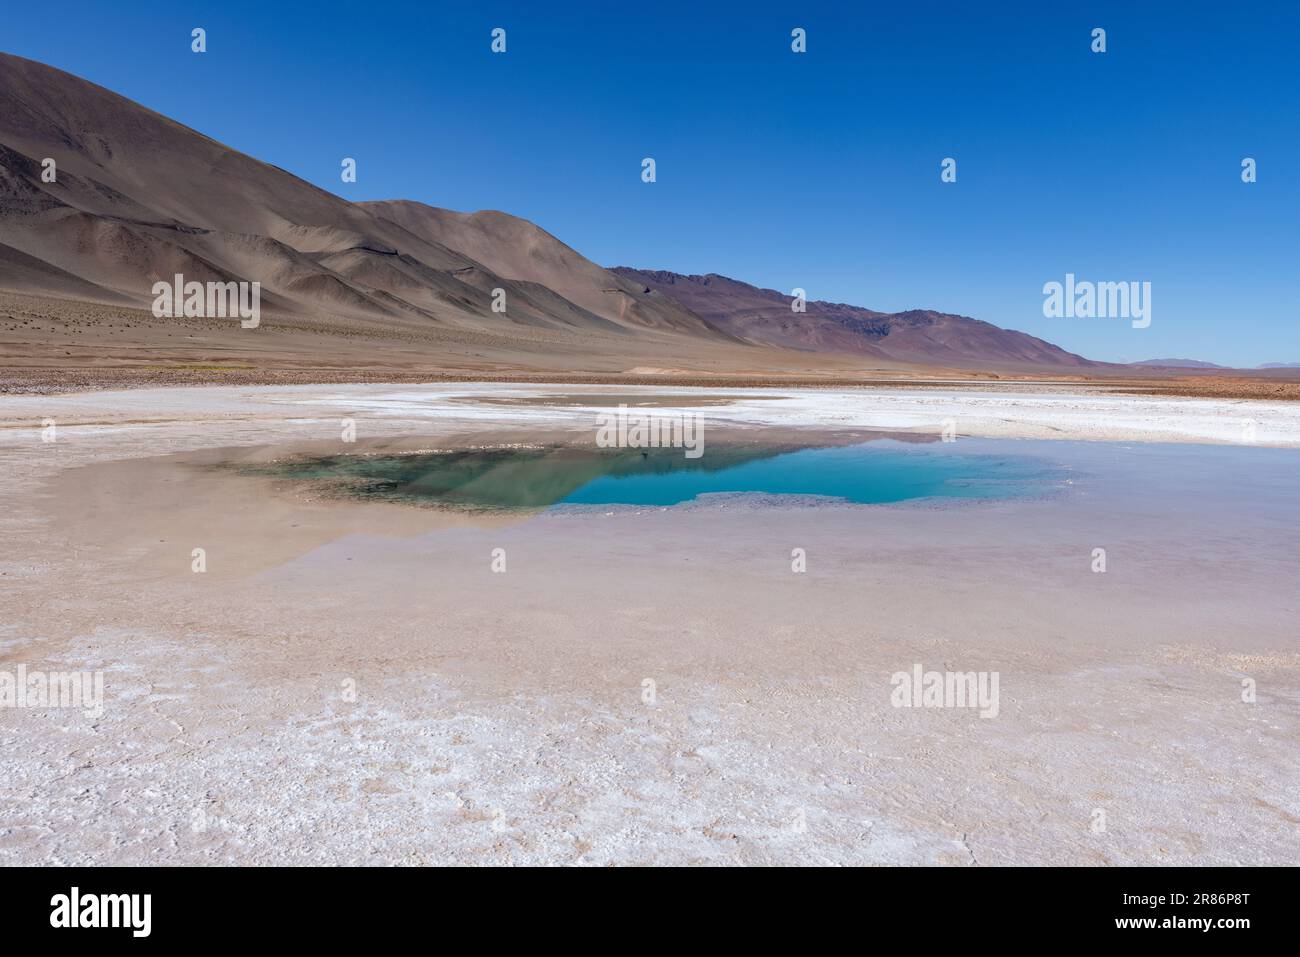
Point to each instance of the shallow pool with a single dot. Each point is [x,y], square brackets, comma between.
[876,472]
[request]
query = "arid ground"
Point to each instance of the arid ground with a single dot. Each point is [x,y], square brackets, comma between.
[354,682]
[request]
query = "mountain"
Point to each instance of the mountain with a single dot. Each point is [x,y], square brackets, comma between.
[1179,364]
[514,247]
[138,198]
[917,336]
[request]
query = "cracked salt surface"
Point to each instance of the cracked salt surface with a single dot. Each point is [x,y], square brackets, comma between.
[500,719]
[1048,415]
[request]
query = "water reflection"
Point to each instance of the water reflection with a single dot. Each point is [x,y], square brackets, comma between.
[536,478]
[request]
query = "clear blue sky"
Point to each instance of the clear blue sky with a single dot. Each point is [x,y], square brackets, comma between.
[818,170]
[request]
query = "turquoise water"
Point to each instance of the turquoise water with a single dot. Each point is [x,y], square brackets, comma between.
[862,473]
[878,472]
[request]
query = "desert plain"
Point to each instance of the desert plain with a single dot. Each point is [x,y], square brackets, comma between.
[360,682]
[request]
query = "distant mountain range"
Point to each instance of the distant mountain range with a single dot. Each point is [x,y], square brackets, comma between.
[917,336]
[1198,364]
[139,198]
[1178,364]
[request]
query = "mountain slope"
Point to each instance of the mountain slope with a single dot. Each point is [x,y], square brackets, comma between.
[917,336]
[139,198]
[1178,364]
[517,249]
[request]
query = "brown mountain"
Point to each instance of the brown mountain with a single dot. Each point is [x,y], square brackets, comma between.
[918,336]
[1178,364]
[138,198]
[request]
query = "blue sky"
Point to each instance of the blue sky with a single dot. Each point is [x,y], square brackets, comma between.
[818,170]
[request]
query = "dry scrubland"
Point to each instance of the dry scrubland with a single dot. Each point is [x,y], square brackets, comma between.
[56,345]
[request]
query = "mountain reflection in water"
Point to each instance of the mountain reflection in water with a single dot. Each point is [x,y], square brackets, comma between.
[536,478]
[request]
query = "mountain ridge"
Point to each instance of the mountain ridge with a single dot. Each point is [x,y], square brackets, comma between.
[765,316]
[139,197]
